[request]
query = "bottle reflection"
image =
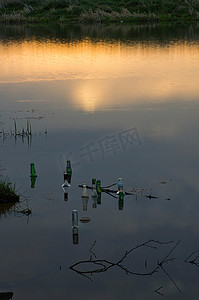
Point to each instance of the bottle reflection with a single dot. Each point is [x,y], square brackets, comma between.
[94,202]
[65,196]
[121,200]
[68,168]
[99,199]
[33,175]
[99,192]
[75,236]
[85,203]
[65,187]
[33,181]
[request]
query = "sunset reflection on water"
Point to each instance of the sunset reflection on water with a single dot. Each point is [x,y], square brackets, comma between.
[105,75]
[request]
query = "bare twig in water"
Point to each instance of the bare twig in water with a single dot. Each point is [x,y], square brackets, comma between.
[111,195]
[192,260]
[157,291]
[108,186]
[167,259]
[90,250]
[103,265]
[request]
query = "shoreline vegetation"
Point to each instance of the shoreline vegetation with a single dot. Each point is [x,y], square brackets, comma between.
[7,192]
[98,11]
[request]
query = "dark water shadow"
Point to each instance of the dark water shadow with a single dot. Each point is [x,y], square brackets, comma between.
[6,295]
[147,33]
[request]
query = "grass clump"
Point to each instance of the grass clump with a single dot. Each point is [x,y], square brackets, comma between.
[8,192]
[92,11]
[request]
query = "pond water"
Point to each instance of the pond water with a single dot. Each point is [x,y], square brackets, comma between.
[117,101]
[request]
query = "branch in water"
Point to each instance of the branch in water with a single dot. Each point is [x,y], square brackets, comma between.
[102,265]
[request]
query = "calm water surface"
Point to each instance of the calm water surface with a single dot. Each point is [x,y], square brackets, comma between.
[118,101]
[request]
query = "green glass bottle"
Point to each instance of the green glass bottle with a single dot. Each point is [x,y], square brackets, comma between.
[94,181]
[98,187]
[32,170]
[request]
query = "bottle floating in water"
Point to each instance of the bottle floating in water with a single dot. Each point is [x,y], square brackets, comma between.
[85,196]
[98,187]
[32,170]
[120,185]
[94,192]
[67,177]
[84,191]
[74,219]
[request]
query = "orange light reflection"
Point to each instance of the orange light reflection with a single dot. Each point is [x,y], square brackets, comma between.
[108,74]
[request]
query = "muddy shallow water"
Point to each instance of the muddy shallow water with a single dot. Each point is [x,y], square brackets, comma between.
[118,101]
